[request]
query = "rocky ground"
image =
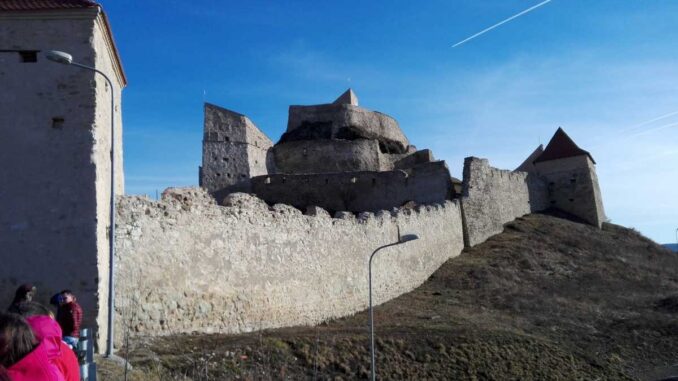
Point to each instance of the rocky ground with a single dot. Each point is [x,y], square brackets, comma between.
[548,299]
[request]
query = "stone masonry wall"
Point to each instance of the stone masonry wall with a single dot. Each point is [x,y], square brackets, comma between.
[572,186]
[234,150]
[186,264]
[326,156]
[54,149]
[358,191]
[492,197]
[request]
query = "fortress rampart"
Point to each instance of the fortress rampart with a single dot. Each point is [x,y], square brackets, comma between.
[186,264]
[492,197]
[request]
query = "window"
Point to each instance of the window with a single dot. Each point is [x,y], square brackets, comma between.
[28,55]
[58,123]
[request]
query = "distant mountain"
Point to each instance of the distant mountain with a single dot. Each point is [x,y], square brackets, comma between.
[672,246]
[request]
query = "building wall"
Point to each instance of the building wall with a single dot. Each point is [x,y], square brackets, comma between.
[358,191]
[492,197]
[55,174]
[572,186]
[233,151]
[188,265]
[327,156]
[344,121]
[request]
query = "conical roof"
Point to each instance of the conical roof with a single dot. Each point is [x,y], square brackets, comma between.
[562,146]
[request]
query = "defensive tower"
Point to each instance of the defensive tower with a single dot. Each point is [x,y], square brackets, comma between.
[55,143]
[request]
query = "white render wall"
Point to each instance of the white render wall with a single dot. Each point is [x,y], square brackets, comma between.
[186,264]
[54,182]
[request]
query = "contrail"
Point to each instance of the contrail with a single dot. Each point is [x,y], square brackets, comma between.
[649,121]
[503,22]
[643,132]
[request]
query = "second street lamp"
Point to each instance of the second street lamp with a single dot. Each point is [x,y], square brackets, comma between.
[401,240]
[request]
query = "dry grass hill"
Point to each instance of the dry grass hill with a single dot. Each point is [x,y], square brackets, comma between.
[548,299]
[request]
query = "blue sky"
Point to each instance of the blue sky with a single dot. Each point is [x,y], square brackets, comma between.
[603,70]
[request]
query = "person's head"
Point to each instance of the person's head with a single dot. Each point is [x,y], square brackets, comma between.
[16,339]
[24,293]
[56,300]
[68,296]
[28,309]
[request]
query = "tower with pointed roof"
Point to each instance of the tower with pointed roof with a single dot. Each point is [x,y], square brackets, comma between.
[55,145]
[570,174]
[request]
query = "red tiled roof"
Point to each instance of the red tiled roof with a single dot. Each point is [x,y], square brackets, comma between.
[560,147]
[38,5]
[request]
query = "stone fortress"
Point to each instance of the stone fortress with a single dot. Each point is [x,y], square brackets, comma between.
[276,235]
[279,234]
[337,156]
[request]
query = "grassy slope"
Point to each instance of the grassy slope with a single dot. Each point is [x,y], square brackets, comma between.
[546,299]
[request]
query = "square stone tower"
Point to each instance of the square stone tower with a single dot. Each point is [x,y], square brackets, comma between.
[572,183]
[55,144]
[233,151]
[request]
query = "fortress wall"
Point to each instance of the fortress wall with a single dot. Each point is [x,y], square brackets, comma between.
[186,264]
[492,197]
[358,191]
[327,156]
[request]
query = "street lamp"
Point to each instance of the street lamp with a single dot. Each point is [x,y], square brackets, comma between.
[67,59]
[401,240]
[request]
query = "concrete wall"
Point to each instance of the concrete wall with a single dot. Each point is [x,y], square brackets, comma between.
[234,150]
[492,197]
[54,146]
[188,265]
[573,187]
[358,191]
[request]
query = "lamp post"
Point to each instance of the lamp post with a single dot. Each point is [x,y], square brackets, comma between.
[401,240]
[67,59]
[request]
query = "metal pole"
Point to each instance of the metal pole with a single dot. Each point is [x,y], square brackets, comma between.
[111,233]
[369,271]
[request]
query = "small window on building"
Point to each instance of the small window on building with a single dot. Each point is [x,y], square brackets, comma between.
[58,123]
[28,56]
[227,138]
[226,159]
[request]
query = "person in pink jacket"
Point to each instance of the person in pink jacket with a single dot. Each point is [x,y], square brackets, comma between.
[23,357]
[45,328]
